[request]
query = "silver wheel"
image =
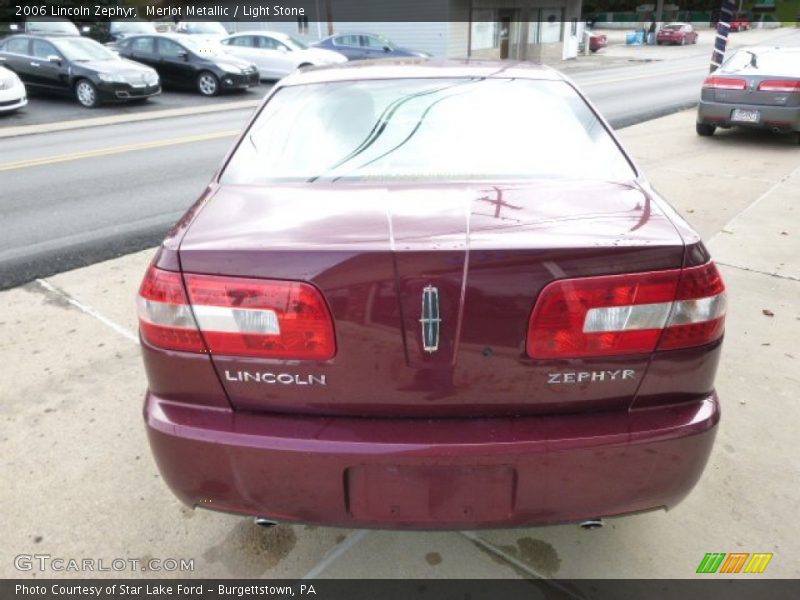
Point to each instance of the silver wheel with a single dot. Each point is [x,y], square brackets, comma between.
[207,83]
[86,93]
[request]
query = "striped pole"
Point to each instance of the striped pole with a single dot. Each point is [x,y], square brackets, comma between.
[723,29]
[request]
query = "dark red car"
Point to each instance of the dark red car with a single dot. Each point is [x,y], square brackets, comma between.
[741,22]
[431,295]
[676,34]
[597,41]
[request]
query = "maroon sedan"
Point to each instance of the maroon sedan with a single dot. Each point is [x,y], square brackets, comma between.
[431,295]
[676,34]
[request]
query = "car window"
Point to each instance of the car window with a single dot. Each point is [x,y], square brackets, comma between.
[244,41]
[42,49]
[427,130]
[347,40]
[82,49]
[271,43]
[17,46]
[374,42]
[169,49]
[771,61]
[143,45]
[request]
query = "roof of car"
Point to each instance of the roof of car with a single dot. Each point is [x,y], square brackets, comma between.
[44,36]
[420,68]
[275,34]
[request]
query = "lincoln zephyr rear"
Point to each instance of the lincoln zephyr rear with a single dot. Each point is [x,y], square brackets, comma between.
[426,294]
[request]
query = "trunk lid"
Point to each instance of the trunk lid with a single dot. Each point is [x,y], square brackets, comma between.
[486,251]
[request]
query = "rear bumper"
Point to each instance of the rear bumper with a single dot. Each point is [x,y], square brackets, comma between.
[781,117]
[432,474]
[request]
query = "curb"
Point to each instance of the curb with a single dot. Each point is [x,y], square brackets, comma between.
[128,118]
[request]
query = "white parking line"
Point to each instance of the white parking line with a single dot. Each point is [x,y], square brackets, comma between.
[350,541]
[124,332]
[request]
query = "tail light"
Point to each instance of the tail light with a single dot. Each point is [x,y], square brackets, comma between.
[235,316]
[780,85]
[628,314]
[724,83]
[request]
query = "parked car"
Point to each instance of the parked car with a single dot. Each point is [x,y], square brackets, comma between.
[756,88]
[676,33]
[13,95]
[408,300]
[184,62]
[109,32]
[208,31]
[79,67]
[52,26]
[363,46]
[596,41]
[277,54]
[741,22]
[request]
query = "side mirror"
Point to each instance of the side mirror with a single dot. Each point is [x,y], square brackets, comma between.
[13,27]
[85,29]
[54,59]
[283,49]
[387,49]
[183,54]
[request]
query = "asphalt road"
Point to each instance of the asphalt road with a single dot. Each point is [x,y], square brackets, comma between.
[72,198]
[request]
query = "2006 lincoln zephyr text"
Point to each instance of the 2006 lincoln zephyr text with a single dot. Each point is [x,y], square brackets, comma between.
[431,295]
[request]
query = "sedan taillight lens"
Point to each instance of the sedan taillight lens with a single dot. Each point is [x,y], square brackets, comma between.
[724,83]
[627,314]
[780,85]
[235,316]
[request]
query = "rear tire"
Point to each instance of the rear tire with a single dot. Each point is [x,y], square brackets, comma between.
[704,129]
[207,83]
[86,93]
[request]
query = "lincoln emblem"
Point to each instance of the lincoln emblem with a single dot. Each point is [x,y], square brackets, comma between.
[431,321]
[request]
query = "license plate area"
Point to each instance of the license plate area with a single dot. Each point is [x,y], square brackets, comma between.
[420,494]
[745,116]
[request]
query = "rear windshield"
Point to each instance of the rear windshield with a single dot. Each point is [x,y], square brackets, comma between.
[426,130]
[772,61]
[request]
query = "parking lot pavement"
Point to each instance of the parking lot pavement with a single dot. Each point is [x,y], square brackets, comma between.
[42,109]
[82,483]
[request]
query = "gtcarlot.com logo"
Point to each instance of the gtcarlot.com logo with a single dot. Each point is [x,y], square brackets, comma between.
[735,562]
[58,564]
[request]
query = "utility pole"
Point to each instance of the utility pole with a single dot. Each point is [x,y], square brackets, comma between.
[329,14]
[723,29]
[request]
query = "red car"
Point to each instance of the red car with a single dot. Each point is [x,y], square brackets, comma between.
[596,40]
[676,34]
[408,300]
[740,22]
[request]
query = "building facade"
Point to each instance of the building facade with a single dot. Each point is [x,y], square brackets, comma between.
[499,29]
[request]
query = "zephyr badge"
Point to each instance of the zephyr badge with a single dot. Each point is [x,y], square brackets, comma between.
[430,320]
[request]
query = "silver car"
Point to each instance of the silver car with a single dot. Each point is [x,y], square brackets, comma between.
[758,87]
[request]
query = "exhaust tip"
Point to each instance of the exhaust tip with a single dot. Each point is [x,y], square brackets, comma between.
[264,522]
[592,524]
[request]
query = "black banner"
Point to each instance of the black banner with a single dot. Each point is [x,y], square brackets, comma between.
[87,11]
[406,589]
